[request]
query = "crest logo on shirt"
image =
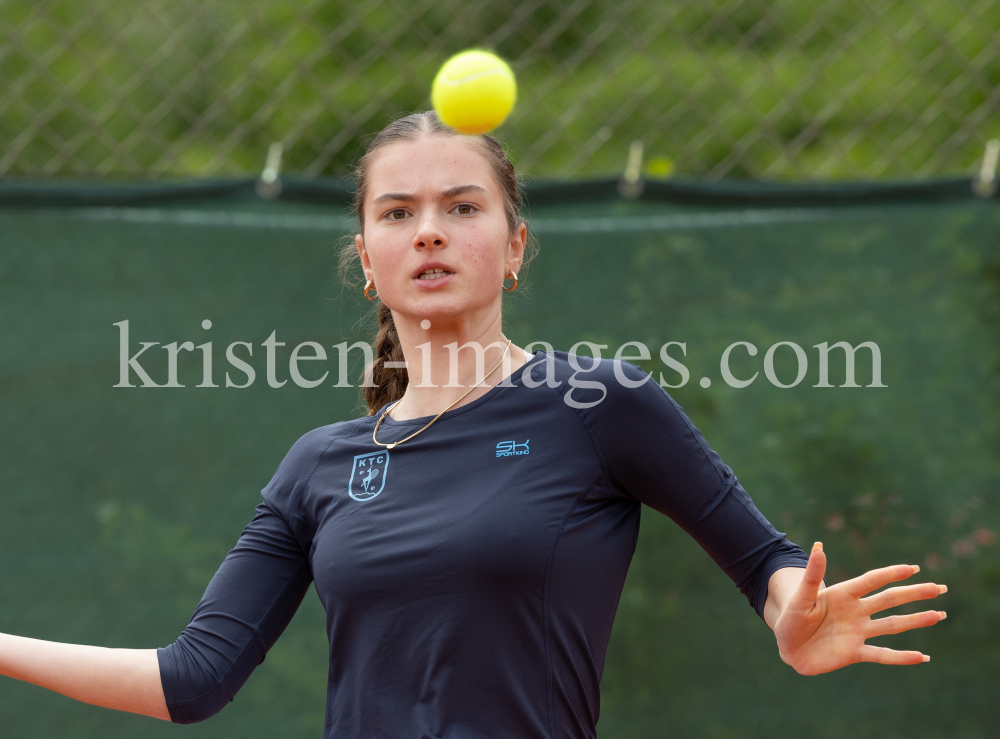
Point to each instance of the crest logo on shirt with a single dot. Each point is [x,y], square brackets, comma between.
[368,475]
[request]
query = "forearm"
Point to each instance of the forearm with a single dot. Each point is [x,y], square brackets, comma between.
[122,679]
[780,587]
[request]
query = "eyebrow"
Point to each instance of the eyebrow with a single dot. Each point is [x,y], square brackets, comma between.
[451,192]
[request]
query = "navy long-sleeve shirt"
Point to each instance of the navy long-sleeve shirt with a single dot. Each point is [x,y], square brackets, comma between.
[470,576]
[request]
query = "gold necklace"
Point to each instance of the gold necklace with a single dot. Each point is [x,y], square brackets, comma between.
[394,444]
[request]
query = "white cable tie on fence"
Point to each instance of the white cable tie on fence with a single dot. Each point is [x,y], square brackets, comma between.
[630,186]
[269,184]
[985,183]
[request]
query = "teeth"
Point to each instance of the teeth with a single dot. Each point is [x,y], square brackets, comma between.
[433,274]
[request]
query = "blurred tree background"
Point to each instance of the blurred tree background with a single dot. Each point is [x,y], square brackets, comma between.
[744,88]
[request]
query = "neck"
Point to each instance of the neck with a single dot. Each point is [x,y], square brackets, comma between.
[440,371]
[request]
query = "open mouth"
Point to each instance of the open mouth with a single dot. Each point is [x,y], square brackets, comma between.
[435,273]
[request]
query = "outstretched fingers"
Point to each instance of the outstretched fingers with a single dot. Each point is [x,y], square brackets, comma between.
[898,596]
[875,579]
[898,624]
[886,656]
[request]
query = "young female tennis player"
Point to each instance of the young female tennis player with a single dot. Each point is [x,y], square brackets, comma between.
[470,537]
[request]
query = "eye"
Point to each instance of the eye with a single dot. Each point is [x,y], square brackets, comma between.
[397,214]
[465,209]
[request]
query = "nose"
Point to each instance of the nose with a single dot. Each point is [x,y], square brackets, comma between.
[429,233]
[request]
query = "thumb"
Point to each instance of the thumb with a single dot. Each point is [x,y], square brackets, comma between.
[805,594]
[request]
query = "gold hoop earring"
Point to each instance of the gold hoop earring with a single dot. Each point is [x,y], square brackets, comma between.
[368,286]
[514,277]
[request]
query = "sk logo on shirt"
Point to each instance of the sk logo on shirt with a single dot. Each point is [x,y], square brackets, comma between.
[368,475]
[512,448]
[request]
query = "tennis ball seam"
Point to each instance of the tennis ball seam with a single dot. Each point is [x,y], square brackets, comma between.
[473,76]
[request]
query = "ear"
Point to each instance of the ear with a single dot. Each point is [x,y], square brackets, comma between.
[366,263]
[515,250]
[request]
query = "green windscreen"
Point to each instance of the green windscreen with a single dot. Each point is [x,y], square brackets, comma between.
[120,502]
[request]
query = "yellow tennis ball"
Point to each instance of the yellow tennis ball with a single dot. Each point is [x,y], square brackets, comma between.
[474,92]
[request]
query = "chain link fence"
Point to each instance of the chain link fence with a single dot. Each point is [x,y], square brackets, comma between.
[768,89]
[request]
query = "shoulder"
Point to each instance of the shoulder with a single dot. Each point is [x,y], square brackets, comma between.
[587,383]
[645,439]
[307,450]
[323,436]
[617,401]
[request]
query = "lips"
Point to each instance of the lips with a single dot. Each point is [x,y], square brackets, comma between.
[433,274]
[432,271]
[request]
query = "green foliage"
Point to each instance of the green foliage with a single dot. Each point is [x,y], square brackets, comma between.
[759,89]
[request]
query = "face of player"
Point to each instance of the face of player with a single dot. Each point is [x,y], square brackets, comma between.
[436,242]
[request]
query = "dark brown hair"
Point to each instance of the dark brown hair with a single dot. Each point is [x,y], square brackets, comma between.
[390,383]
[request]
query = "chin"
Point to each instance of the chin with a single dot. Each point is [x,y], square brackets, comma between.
[440,306]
